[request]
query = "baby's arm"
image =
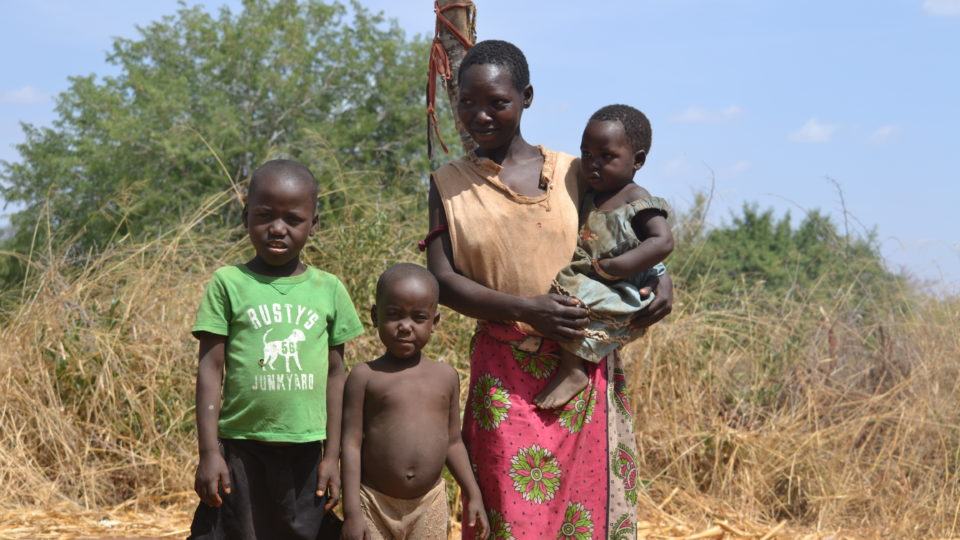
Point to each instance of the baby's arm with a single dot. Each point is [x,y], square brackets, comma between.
[328,472]
[212,472]
[459,464]
[657,244]
[353,526]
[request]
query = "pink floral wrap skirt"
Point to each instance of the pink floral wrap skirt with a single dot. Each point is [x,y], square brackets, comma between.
[564,473]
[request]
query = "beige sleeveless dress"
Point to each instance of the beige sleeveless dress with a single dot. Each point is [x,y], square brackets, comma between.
[501,239]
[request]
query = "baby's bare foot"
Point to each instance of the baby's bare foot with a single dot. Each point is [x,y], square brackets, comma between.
[565,385]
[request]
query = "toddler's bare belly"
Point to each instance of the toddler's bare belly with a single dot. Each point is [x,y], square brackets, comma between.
[403,458]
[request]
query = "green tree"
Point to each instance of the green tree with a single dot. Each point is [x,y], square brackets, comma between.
[759,250]
[333,85]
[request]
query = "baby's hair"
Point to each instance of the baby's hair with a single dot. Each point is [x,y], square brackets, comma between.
[635,124]
[284,169]
[498,53]
[404,271]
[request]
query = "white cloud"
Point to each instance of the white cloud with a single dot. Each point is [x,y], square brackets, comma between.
[26,95]
[698,115]
[741,166]
[942,8]
[883,134]
[814,131]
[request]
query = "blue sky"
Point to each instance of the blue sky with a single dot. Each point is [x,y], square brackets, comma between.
[770,99]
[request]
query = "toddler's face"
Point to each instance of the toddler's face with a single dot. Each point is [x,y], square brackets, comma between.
[607,159]
[405,316]
[490,107]
[280,216]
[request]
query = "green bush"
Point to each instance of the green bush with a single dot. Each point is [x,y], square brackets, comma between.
[813,260]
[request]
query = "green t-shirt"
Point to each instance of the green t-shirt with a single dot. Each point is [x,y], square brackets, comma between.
[278,331]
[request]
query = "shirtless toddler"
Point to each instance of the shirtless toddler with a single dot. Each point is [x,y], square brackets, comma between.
[401,423]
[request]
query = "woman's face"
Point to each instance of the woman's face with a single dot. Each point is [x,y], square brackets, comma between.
[490,106]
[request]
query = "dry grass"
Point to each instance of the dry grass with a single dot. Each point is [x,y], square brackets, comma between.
[141,521]
[802,412]
[762,412]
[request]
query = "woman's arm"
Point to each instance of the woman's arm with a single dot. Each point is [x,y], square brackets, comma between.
[352,438]
[459,464]
[657,244]
[212,471]
[553,315]
[328,471]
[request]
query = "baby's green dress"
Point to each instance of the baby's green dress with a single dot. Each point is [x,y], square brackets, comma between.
[612,304]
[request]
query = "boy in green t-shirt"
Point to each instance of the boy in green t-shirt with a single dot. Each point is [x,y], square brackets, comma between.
[272,330]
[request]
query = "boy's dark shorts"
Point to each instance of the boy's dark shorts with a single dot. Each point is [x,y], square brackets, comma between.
[273,495]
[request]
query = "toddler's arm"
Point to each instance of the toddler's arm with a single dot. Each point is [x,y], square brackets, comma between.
[328,473]
[459,464]
[657,244]
[661,306]
[353,526]
[212,472]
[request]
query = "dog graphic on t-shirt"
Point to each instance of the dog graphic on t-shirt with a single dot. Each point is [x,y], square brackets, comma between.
[286,348]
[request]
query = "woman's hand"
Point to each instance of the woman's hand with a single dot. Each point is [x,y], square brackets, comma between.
[556,316]
[212,475]
[661,306]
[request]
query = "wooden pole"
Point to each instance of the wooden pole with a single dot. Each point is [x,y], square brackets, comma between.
[464,20]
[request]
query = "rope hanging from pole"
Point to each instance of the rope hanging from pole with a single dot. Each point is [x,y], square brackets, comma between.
[439,65]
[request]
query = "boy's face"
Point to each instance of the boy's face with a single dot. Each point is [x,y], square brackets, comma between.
[490,107]
[279,217]
[607,159]
[405,316]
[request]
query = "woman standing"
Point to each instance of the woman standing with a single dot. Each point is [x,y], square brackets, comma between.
[503,223]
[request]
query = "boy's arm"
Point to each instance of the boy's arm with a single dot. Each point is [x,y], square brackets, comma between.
[328,473]
[212,472]
[459,464]
[350,450]
[656,245]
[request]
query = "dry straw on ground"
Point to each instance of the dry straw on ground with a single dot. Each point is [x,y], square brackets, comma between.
[782,415]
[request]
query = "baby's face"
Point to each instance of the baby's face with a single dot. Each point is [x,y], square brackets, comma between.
[280,216]
[607,159]
[405,316]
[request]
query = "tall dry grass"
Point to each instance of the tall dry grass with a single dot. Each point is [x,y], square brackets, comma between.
[97,365]
[789,409]
[766,408]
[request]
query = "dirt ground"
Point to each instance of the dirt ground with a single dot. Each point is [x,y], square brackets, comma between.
[174,522]
[102,525]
